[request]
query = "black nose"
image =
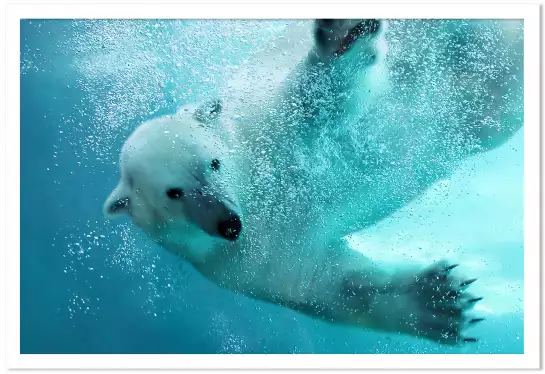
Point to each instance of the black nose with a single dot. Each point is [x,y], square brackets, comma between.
[230,229]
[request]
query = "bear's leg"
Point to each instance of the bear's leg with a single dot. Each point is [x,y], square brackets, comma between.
[340,74]
[430,303]
[334,37]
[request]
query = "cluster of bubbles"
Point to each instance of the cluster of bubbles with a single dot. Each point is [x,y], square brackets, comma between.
[93,257]
[131,70]
[230,340]
[78,259]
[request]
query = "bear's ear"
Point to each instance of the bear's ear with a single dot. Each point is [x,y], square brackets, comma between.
[208,111]
[117,203]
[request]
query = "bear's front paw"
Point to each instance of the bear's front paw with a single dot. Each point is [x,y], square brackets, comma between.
[336,36]
[437,305]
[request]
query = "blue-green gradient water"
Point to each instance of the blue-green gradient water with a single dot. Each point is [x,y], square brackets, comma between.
[91,286]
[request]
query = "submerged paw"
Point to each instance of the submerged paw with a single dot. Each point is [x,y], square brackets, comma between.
[444,305]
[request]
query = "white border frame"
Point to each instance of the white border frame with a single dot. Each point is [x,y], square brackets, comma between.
[242,9]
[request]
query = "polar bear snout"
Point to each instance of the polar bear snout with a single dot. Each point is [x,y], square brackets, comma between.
[230,228]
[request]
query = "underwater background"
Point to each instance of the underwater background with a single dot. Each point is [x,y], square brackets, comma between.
[92,286]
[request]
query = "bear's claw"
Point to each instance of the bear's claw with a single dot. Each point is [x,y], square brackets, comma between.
[449,268]
[442,304]
[467,282]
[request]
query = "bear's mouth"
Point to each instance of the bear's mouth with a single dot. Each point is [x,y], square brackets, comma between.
[119,205]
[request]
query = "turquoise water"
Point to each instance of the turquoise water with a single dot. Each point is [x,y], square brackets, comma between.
[91,286]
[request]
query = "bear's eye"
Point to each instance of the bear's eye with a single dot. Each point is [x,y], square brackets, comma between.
[215,164]
[175,193]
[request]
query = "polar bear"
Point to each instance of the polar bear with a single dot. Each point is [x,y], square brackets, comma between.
[258,189]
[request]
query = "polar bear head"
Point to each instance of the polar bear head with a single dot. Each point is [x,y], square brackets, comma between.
[176,182]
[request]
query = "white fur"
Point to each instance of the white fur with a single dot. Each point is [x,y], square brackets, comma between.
[305,161]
